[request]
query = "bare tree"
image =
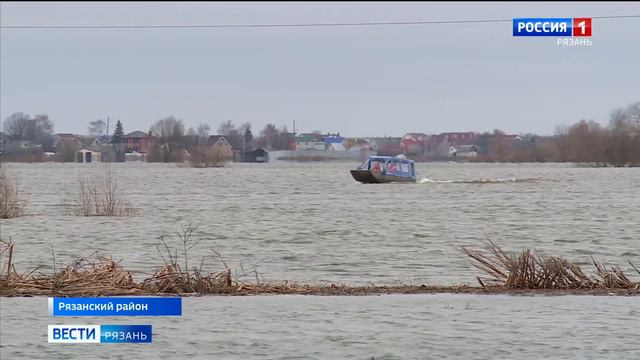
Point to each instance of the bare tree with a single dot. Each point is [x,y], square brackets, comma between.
[169,133]
[203,133]
[38,129]
[203,130]
[15,126]
[205,156]
[97,127]
[270,135]
[233,134]
[227,128]
[561,142]
[623,146]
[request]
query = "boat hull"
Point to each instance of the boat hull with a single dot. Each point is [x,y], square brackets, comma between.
[370,177]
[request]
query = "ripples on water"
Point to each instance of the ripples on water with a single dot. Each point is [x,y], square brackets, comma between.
[380,327]
[313,222]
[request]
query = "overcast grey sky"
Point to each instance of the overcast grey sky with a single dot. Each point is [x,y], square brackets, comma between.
[360,81]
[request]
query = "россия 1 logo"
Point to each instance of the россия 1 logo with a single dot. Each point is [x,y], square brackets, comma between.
[567,28]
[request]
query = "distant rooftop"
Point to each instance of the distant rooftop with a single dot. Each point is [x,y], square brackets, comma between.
[135,135]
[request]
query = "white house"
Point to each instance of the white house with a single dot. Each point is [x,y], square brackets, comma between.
[309,142]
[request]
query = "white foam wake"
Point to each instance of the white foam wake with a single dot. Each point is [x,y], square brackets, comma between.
[475,181]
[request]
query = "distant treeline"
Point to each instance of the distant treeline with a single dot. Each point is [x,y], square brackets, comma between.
[26,138]
[586,141]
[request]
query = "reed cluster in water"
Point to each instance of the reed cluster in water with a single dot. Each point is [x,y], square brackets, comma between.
[11,205]
[526,272]
[100,196]
[530,270]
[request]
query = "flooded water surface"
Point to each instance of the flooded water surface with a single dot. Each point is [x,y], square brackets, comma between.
[313,223]
[378,327]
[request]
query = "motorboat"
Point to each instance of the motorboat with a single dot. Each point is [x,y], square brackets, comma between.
[385,169]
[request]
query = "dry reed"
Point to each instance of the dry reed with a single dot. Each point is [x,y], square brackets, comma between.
[10,204]
[93,276]
[530,270]
[101,197]
[174,278]
[522,273]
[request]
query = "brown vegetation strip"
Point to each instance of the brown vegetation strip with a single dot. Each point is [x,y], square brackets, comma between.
[520,274]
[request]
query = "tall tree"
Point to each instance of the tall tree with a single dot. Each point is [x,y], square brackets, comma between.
[15,126]
[233,135]
[38,130]
[118,133]
[226,128]
[623,145]
[43,132]
[97,127]
[203,133]
[270,136]
[169,133]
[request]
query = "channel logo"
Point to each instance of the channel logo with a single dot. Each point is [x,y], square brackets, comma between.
[559,27]
[94,334]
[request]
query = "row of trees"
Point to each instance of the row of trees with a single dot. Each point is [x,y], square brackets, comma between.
[169,131]
[617,144]
[169,134]
[38,129]
[586,142]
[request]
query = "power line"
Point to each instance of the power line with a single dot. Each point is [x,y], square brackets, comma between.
[221,26]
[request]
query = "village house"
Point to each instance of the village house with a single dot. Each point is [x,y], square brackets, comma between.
[463,151]
[334,142]
[136,142]
[385,146]
[444,145]
[221,142]
[356,144]
[258,155]
[68,139]
[335,147]
[414,145]
[309,142]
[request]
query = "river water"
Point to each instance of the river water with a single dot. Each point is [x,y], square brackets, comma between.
[311,222]
[379,327]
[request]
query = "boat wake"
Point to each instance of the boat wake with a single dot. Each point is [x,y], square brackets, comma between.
[477,181]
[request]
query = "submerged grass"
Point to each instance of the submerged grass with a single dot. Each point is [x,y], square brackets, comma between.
[523,273]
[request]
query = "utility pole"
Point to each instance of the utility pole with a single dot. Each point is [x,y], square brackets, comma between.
[243,145]
[107,127]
